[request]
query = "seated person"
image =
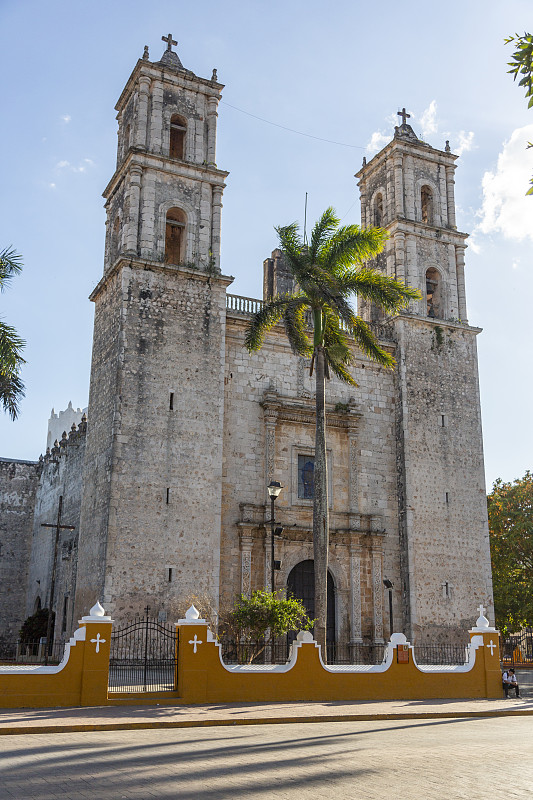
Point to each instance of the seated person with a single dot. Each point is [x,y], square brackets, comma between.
[510,682]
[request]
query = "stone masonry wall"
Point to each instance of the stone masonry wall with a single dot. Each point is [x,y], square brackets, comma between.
[362,476]
[62,475]
[18,486]
[445,502]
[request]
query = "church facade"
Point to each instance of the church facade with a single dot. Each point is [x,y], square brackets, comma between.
[166,482]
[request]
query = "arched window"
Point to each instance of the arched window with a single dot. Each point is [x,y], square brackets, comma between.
[433,286]
[175,236]
[427,205]
[37,605]
[301,584]
[115,236]
[178,129]
[378,211]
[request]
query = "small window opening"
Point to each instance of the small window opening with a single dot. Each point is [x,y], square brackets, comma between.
[446,590]
[0,549]
[171,403]
[378,213]
[127,132]
[433,293]
[178,129]
[427,205]
[443,420]
[169,575]
[306,477]
[168,496]
[447,497]
[175,236]
[65,610]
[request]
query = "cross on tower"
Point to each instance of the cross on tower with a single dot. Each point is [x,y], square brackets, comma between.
[170,41]
[404,115]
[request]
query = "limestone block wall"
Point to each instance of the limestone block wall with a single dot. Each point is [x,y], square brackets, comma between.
[445,520]
[163,460]
[62,475]
[268,421]
[18,487]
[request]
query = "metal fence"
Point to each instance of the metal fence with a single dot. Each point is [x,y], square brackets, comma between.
[31,653]
[143,657]
[517,648]
[440,654]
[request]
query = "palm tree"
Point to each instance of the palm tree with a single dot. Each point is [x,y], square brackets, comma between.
[11,345]
[329,272]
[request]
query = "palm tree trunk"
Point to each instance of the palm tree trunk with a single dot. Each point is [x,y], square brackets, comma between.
[320,505]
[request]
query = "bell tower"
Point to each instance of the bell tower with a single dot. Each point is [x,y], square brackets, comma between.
[164,201]
[408,189]
[151,505]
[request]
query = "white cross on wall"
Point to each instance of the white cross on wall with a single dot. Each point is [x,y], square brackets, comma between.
[194,642]
[491,646]
[98,640]
[481,610]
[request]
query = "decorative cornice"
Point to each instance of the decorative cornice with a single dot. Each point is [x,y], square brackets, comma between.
[302,410]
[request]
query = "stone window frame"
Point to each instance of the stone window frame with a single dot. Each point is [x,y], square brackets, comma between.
[162,211]
[380,190]
[426,180]
[442,288]
[168,113]
[304,450]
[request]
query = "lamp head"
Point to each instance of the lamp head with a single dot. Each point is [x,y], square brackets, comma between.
[274,488]
[387,584]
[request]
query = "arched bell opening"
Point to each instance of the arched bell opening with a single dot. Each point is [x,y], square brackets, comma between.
[433,293]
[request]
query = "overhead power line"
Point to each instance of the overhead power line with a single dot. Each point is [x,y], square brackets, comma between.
[292,130]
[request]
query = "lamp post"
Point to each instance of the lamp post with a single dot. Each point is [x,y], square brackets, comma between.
[389,585]
[274,488]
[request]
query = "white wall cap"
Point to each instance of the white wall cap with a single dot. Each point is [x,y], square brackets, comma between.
[192,617]
[96,614]
[398,638]
[305,636]
[79,635]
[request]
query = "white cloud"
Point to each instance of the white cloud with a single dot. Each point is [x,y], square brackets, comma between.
[82,167]
[377,141]
[62,164]
[428,119]
[66,118]
[505,208]
[465,142]
[52,185]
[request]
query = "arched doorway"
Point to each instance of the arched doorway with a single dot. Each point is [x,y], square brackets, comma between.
[301,584]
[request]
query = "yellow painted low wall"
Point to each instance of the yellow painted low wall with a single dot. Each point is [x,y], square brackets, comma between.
[82,677]
[203,678]
[80,680]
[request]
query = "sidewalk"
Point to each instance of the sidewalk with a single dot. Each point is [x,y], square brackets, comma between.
[63,720]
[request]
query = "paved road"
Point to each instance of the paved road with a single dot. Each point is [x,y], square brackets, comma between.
[424,759]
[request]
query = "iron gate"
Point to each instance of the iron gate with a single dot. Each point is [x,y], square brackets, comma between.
[143,657]
[517,648]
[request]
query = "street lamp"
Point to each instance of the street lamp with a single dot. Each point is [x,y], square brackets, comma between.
[389,585]
[274,488]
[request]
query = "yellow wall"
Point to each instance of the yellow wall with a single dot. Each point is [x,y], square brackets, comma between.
[83,679]
[202,678]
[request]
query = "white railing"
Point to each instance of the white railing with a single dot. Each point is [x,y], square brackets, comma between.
[243,305]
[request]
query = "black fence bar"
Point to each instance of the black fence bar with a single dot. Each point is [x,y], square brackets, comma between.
[143,657]
[30,653]
[517,648]
[440,654]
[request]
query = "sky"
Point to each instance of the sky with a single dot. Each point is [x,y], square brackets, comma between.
[336,72]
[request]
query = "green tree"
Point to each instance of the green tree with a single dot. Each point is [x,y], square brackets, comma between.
[11,345]
[522,67]
[510,507]
[257,621]
[329,272]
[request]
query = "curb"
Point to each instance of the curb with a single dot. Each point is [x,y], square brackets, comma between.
[21,730]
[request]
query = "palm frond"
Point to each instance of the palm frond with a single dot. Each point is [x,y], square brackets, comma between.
[322,231]
[263,320]
[369,345]
[294,320]
[11,346]
[11,393]
[10,265]
[371,284]
[339,353]
[352,245]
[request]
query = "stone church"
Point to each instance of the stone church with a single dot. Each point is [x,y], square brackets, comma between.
[165,481]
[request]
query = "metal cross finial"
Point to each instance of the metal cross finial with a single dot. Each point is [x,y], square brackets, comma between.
[404,115]
[170,41]
[481,610]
